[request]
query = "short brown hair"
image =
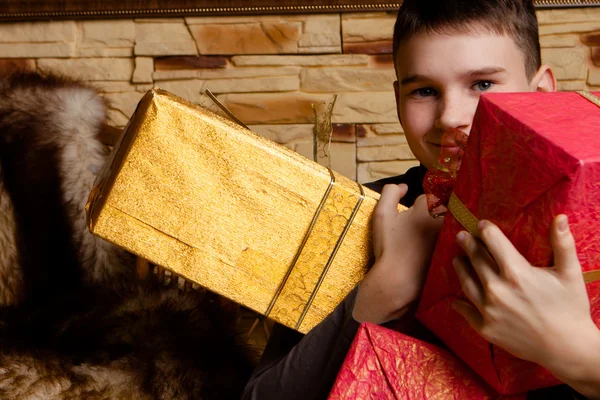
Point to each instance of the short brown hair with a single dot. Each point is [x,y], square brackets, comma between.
[515,18]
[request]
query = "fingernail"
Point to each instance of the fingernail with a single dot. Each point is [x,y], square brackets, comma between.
[461,236]
[563,223]
[481,224]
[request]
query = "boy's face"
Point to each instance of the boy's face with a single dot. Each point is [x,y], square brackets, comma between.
[440,79]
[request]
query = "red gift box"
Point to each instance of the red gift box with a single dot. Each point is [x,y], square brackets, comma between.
[530,157]
[384,364]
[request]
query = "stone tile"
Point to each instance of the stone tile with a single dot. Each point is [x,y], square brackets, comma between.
[320,50]
[313,22]
[320,32]
[365,107]
[382,60]
[226,73]
[596,56]
[144,87]
[381,140]
[381,47]
[343,159]
[569,28]
[372,171]
[305,149]
[10,65]
[194,89]
[567,63]
[568,40]
[107,33]
[387,129]
[116,118]
[292,133]
[113,86]
[164,48]
[385,153]
[368,29]
[91,69]
[38,32]
[274,108]
[344,133]
[305,61]
[256,85]
[331,80]
[321,23]
[380,135]
[144,67]
[191,90]
[189,62]
[568,15]
[36,50]
[238,19]
[362,131]
[591,39]
[104,52]
[326,40]
[156,39]
[369,14]
[571,85]
[247,38]
[125,102]
[594,77]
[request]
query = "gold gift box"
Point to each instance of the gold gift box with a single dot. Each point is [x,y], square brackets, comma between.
[233,212]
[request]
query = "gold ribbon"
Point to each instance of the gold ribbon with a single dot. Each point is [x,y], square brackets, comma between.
[308,232]
[470,222]
[331,256]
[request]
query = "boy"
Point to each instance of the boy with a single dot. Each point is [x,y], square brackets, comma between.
[446,53]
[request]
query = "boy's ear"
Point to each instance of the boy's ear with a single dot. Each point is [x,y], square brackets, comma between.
[397,94]
[544,80]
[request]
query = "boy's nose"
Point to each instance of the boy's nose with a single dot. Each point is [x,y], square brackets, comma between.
[455,113]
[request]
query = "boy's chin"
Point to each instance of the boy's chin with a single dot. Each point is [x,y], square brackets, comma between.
[431,159]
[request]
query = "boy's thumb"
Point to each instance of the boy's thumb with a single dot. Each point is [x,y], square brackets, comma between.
[563,245]
[390,196]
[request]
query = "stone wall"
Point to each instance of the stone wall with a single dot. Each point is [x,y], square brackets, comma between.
[269,70]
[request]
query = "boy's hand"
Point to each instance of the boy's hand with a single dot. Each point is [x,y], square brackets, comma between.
[537,314]
[403,244]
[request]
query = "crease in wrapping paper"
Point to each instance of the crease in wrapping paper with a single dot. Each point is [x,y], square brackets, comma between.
[385,364]
[241,205]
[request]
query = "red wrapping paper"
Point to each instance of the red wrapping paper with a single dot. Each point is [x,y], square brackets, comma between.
[383,364]
[530,157]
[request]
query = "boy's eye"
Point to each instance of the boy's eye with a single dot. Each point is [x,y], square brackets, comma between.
[483,85]
[424,92]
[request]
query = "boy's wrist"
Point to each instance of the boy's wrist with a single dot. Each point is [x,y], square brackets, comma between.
[378,302]
[578,364]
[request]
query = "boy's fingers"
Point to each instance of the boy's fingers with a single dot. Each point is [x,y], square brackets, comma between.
[480,260]
[390,196]
[563,245]
[471,286]
[471,314]
[500,248]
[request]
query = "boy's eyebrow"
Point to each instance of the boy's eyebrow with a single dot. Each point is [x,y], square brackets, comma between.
[475,72]
[413,78]
[486,71]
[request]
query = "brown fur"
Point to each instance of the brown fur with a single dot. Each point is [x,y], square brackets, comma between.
[74,320]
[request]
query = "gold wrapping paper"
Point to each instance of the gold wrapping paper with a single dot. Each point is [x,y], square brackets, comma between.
[227,209]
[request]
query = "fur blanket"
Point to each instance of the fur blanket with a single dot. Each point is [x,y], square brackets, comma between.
[75,322]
